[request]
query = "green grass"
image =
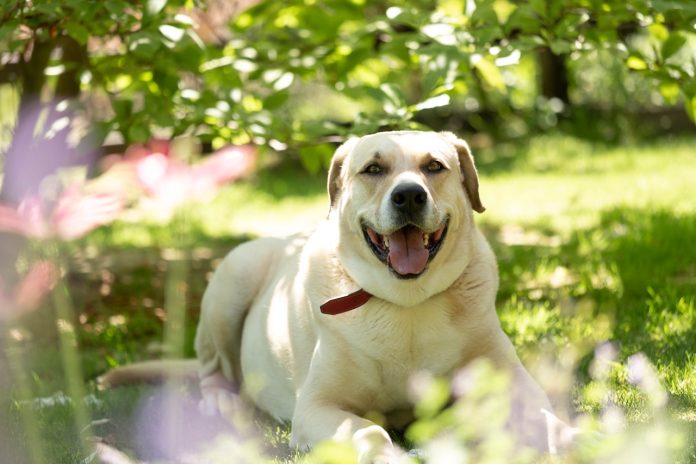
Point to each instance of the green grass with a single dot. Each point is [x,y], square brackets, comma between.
[595,244]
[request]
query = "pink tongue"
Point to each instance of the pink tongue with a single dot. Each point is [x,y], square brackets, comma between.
[407,255]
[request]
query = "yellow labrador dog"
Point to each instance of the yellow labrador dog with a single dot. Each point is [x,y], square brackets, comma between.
[326,327]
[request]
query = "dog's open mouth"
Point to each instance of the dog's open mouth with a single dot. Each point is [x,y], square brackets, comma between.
[406,251]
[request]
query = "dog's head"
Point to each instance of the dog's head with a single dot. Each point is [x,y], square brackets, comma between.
[403,202]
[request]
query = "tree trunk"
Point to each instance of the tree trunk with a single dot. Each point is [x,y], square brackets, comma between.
[553,75]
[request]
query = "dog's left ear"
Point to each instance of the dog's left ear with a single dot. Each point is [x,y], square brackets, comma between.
[334,182]
[466,164]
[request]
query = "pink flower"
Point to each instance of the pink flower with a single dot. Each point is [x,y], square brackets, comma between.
[162,176]
[28,294]
[170,183]
[227,164]
[74,214]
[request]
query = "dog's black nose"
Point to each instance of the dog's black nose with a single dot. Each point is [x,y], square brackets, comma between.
[409,198]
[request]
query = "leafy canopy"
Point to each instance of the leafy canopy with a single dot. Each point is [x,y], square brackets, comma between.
[388,61]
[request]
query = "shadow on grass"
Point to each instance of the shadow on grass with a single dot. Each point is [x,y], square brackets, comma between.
[630,280]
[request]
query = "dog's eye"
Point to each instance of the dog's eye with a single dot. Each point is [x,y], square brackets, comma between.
[373,169]
[434,166]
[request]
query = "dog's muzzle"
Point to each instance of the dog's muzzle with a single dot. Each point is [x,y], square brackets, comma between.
[408,250]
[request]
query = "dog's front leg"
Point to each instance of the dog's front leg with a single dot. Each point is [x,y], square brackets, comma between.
[315,421]
[527,421]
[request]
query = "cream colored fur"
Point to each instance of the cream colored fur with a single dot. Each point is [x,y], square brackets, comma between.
[261,325]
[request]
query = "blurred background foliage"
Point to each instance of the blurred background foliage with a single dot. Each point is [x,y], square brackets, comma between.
[296,75]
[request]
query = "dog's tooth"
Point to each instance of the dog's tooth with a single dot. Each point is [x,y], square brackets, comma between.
[386,241]
[426,240]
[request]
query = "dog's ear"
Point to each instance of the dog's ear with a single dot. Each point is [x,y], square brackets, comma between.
[466,164]
[334,182]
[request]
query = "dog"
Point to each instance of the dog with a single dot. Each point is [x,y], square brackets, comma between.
[321,329]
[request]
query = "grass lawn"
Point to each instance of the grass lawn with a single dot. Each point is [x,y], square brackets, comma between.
[597,256]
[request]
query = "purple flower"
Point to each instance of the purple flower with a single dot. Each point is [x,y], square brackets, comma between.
[604,359]
[638,368]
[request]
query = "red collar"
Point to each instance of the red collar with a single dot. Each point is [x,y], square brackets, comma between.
[345,303]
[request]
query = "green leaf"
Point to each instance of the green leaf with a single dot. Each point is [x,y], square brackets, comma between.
[539,7]
[50,9]
[567,27]
[490,73]
[332,452]
[122,107]
[393,94]
[155,6]
[451,7]
[185,20]
[484,15]
[423,430]
[138,133]
[433,399]
[530,42]
[172,33]
[77,32]
[503,9]
[441,72]
[313,157]
[690,105]
[8,30]
[116,7]
[276,100]
[488,35]
[144,44]
[525,19]
[555,8]
[636,62]
[433,102]
[560,47]
[658,32]
[672,45]
[283,82]
[669,91]
[390,97]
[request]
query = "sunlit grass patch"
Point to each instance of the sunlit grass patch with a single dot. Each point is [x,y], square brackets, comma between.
[530,322]
[566,184]
[618,287]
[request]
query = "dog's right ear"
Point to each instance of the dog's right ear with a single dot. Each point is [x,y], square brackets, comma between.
[334,183]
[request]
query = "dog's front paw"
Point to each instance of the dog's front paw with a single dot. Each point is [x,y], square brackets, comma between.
[217,396]
[296,442]
[375,447]
[560,436]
